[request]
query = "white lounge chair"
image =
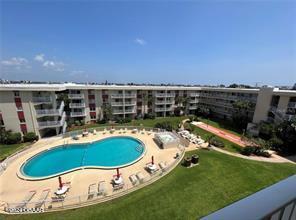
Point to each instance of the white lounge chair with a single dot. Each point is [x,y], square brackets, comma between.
[104,131]
[133,179]
[140,177]
[42,198]
[27,199]
[92,191]
[134,131]
[162,166]
[102,188]
[125,130]
[94,131]
[143,131]
[149,132]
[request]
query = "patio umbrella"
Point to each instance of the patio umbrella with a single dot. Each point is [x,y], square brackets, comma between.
[60,182]
[152,160]
[117,170]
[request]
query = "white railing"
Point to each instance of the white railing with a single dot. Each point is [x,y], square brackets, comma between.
[292,105]
[164,102]
[130,103]
[41,99]
[116,103]
[75,96]
[130,96]
[77,105]
[129,111]
[165,94]
[50,112]
[118,96]
[78,114]
[50,124]
[194,94]
[193,107]
[164,109]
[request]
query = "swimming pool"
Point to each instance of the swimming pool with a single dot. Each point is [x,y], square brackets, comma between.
[108,153]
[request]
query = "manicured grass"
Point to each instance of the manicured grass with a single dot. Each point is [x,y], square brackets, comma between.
[184,193]
[144,122]
[228,145]
[8,149]
[222,124]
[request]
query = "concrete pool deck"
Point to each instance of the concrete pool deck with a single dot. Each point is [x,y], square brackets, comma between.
[13,189]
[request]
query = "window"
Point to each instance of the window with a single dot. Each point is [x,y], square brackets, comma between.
[92,108]
[16,93]
[22,120]
[92,117]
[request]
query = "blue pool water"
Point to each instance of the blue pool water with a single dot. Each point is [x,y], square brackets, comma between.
[107,153]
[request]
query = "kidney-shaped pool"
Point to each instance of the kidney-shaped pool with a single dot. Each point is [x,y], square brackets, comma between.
[108,153]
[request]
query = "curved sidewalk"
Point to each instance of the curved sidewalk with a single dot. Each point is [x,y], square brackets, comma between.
[273,159]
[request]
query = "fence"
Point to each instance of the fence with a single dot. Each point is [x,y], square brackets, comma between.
[84,200]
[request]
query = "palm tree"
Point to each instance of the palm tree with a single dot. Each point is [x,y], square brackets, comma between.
[241,111]
[107,111]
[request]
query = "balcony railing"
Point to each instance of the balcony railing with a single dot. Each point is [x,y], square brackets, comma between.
[164,109]
[42,99]
[52,124]
[129,111]
[120,96]
[50,112]
[274,202]
[192,107]
[194,101]
[117,103]
[77,105]
[165,94]
[130,96]
[78,114]
[292,105]
[75,96]
[164,102]
[194,94]
[130,103]
[126,111]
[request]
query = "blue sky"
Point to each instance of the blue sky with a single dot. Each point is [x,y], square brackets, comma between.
[201,42]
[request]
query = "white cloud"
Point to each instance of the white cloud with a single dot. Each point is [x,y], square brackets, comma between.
[54,65]
[15,61]
[140,41]
[39,57]
[76,72]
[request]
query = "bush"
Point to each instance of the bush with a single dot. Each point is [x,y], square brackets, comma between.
[102,121]
[189,127]
[216,142]
[30,137]
[275,143]
[258,151]
[164,125]
[14,138]
[149,116]
[123,120]
[77,123]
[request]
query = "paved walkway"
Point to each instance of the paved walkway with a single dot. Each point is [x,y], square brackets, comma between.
[273,159]
[221,133]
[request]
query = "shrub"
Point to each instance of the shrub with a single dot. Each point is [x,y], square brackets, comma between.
[258,151]
[217,142]
[164,125]
[102,121]
[14,138]
[275,143]
[77,123]
[189,127]
[149,116]
[30,136]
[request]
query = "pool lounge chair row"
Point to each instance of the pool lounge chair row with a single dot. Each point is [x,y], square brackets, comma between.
[41,200]
[96,189]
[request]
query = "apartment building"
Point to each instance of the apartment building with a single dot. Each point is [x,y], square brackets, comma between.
[46,108]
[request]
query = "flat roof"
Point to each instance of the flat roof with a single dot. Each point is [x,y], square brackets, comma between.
[74,86]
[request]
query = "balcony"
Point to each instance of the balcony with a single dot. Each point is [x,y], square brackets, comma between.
[292,105]
[194,94]
[50,112]
[193,107]
[75,96]
[42,99]
[116,103]
[164,109]
[130,103]
[194,101]
[77,105]
[165,102]
[129,111]
[165,95]
[78,114]
[130,96]
[52,124]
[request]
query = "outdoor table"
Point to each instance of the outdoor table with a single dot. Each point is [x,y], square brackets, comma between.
[62,190]
[118,181]
[152,167]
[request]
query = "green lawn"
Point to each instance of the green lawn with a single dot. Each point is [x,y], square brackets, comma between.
[228,145]
[145,122]
[184,193]
[6,150]
[222,124]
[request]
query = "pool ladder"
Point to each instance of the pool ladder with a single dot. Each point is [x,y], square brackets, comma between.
[139,148]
